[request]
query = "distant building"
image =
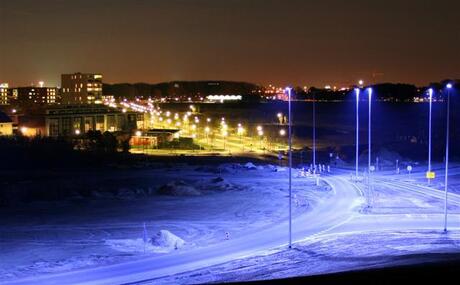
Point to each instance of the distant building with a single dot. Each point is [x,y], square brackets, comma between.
[6,125]
[81,88]
[69,120]
[152,138]
[28,96]
[4,98]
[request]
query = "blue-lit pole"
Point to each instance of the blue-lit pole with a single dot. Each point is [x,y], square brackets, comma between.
[430,94]
[357,132]
[369,90]
[314,132]
[290,166]
[449,86]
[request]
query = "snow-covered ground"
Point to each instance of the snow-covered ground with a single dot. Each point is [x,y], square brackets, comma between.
[331,253]
[198,218]
[197,204]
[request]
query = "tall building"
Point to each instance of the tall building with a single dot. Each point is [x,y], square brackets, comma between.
[4,98]
[28,96]
[81,88]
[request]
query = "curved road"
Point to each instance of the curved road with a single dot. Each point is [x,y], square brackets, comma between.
[327,215]
[337,214]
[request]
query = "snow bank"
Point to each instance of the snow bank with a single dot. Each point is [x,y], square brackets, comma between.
[178,188]
[163,242]
[166,239]
[220,184]
[249,165]
[135,246]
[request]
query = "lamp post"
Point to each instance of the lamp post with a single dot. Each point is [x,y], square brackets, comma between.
[260,133]
[206,131]
[282,133]
[240,132]
[449,87]
[430,98]
[224,135]
[314,131]
[369,90]
[280,118]
[357,133]
[290,165]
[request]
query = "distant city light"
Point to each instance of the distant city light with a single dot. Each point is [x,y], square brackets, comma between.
[138,133]
[223,98]
[449,85]
[361,82]
[41,83]
[282,132]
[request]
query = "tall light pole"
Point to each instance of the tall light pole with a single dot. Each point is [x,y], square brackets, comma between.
[430,98]
[290,165]
[314,132]
[357,133]
[369,90]
[449,87]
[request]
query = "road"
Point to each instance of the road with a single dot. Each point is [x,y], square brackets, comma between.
[326,215]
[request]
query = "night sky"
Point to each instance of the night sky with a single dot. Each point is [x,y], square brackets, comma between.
[282,42]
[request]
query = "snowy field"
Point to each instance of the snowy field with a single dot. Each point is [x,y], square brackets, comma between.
[329,254]
[227,223]
[199,205]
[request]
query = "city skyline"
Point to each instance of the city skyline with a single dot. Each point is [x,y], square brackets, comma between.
[263,42]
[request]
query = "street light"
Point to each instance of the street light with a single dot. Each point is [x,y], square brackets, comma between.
[280,117]
[357,132]
[288,89]
[449,87]
[224,135]
[430,98]
[314,132]
[240,132]
[207,130]
[369,90]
